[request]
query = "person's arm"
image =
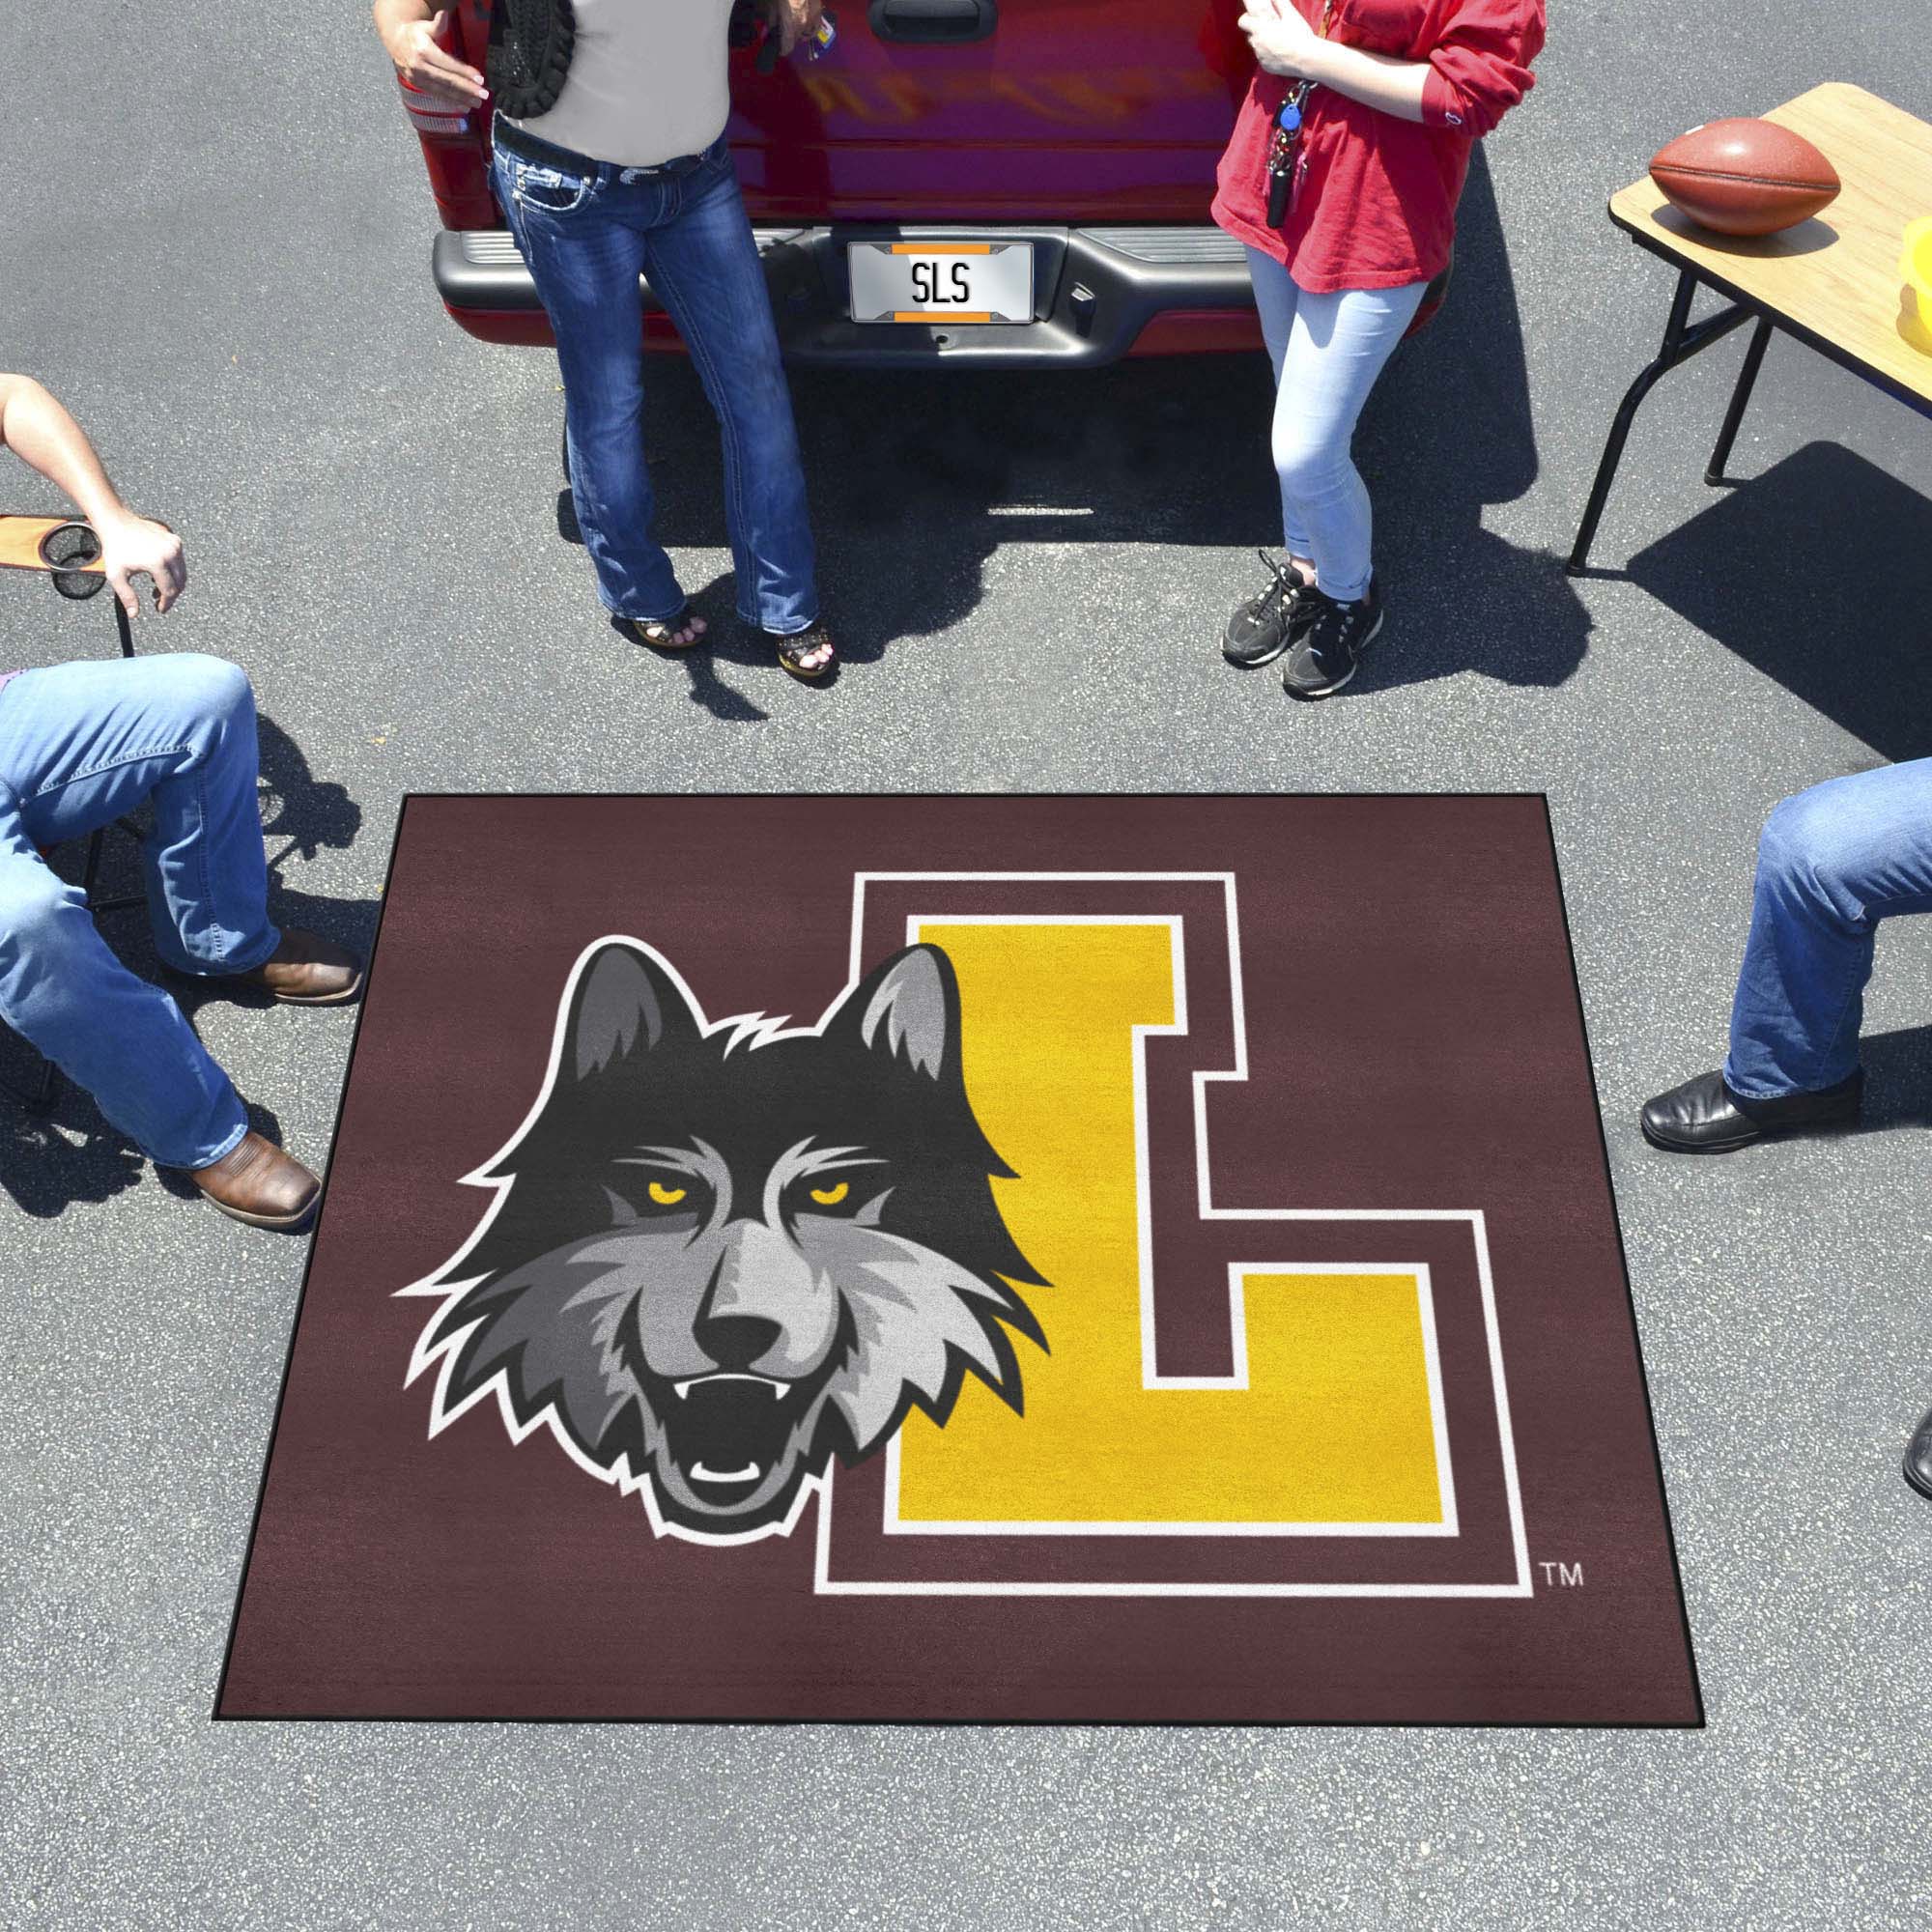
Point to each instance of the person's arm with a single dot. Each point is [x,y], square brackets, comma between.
[797,20]
[42,434]
[408,32]
[1470,80]
[1285,43]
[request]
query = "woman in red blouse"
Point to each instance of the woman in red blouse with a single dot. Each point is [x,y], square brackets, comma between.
[1342,178]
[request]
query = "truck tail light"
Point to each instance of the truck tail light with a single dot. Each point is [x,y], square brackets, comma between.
[429,116]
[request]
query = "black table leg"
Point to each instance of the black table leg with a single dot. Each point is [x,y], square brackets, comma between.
[1682,340]
[1739,401]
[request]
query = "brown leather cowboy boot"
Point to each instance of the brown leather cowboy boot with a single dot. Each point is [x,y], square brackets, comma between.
[255,1181]
[306,970]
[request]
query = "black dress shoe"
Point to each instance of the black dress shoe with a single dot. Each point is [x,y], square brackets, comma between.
[1918,1456]
[1703,1116]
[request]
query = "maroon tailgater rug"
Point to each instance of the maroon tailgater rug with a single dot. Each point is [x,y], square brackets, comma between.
[1140,1259]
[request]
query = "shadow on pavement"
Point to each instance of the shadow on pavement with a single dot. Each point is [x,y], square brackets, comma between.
[44,1171]
[307,811]
[917,477]
[1899,1079]
[51,1161]
[1448,432]
[726,641]
[1819,573]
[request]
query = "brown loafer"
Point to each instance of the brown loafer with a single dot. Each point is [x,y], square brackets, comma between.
[255,1181]
[307,970]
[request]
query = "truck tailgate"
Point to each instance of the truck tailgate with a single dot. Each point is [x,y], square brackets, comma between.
[1066,110]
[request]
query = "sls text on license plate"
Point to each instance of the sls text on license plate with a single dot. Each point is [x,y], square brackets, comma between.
[941,281]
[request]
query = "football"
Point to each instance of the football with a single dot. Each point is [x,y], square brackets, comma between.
[1744,177]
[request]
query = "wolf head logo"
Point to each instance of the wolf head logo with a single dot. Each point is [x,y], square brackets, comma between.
[723,1253]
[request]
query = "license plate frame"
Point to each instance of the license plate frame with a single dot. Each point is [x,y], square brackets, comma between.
[969,281]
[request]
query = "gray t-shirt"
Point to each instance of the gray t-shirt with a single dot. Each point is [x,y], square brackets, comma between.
[647,81]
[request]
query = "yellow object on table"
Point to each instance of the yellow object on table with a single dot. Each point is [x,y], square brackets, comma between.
[1915,322]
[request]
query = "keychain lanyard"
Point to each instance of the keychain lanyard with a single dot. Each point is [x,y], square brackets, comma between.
[1287,136]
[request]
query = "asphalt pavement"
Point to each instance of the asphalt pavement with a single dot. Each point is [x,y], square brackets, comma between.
[215,247]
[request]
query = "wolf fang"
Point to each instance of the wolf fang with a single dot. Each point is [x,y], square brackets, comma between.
[724,1253]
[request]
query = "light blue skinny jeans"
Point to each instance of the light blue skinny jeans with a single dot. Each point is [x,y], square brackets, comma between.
[1832,863]
[1327,351]
[80,746]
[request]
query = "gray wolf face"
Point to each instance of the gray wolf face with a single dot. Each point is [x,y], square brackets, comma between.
[722,1254]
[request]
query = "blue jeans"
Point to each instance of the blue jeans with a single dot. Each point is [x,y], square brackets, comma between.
[81,744]
[1830,863]
[1327,351]
[588,233]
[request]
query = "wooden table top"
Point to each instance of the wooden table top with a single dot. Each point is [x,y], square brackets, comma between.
[1835,279]
[21,539]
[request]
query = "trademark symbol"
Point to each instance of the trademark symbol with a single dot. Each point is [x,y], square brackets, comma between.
[1569,1574]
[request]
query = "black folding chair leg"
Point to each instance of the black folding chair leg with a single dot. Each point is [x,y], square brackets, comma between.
[91,871]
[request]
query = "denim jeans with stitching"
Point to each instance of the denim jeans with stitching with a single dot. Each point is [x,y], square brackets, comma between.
[1327,350]
[1832,863]
[587,233]
[83,745]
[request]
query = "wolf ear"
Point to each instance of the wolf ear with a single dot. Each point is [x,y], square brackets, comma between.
[907,1009]
[626,1002]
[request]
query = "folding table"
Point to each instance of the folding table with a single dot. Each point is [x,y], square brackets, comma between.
[1832,282]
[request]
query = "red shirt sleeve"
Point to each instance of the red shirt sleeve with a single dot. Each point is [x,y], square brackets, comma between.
[1479,67]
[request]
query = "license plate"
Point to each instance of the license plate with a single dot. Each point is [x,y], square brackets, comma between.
[941,281]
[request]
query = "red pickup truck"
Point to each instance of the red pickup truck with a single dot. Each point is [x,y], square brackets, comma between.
[986,183]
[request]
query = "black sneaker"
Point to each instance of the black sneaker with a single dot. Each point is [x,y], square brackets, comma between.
[1325,658]
[1265,626]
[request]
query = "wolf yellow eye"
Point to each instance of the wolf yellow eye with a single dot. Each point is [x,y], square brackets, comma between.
[830,1197]
[667,1197]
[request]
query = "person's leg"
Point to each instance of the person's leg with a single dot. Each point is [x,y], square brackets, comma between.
[122,1039]
[1275,298]
[82,744]
[586,260]
[1337,346]
[703,265]
[1832,862]
[1261,627]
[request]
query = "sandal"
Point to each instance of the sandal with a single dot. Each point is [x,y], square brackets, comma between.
[795,648]
[661,633]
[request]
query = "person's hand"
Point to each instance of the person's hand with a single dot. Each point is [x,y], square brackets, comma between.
[1284,43]
[797,20]
[430,69]
[132,546]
